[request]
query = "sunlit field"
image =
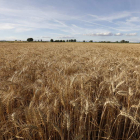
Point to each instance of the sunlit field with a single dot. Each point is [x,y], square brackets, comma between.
[69,91]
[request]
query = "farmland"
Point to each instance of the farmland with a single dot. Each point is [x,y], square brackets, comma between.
[69,91]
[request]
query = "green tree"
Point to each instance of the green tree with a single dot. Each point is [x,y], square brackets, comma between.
[83,40]
[122,41]
[30,39]
[51,40]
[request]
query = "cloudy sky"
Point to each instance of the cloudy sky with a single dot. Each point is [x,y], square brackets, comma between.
[97,20]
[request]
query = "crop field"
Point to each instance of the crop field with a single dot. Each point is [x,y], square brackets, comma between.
[69,91]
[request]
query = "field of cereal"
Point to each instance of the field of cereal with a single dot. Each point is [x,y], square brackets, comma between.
[69,91]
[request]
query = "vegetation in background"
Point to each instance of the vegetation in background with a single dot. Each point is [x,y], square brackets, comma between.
[29,39]
[72,40]
[123,41]
[51,40]
[69,91]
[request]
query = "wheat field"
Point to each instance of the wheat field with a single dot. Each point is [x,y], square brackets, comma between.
[69,91]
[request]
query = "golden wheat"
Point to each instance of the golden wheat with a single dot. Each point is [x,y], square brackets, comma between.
[69,91]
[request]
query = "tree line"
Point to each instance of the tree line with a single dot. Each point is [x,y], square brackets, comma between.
[71,40]
[74,40]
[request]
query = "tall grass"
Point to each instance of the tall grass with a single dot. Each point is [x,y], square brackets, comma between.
[69,91]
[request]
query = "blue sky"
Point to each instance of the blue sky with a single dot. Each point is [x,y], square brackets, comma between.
[97,20]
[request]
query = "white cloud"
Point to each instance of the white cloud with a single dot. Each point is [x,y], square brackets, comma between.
[122,21]
[99,34]
[6,26]
[133,19]
[66,37]
[112,17]
[23,29]
[60,22]
[10,38]
[29,18]
[18,20]
[104,26]
[45,37]
[110,34]
[40,37]
[42,19]
[131,34]
[118,34]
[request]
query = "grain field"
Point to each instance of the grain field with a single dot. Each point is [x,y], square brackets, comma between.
[69,91]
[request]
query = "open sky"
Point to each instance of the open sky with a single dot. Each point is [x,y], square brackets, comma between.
[97,20]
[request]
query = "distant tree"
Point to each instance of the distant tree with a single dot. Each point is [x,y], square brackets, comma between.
[41,40]
[67,40]
[15,40]
[91,41]
[51,40]
[74,40]
[83,40]
[30,39]
[122,41]
[63,40]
